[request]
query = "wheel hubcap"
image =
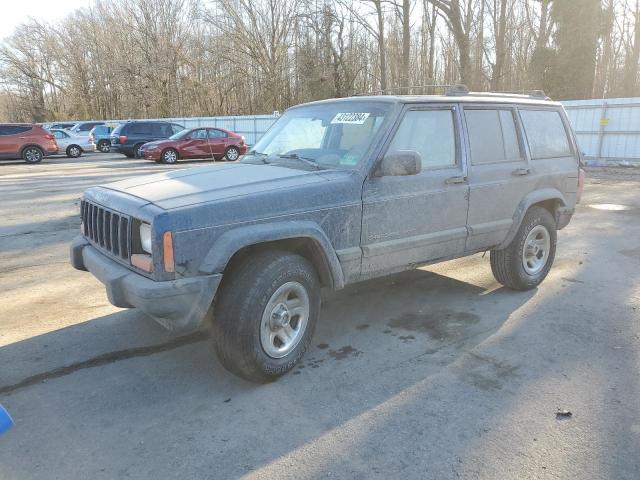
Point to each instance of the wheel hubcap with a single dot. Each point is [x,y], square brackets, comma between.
[33,155]
[284,320]
[536,250]
[170,157]
[232,154]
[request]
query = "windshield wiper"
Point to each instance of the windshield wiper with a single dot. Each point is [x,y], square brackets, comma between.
[295,156]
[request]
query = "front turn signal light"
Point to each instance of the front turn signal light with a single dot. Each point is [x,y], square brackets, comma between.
[167,250]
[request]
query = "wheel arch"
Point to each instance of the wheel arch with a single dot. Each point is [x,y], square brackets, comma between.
[304,238]
[178,156]
[550,199]
[29,145]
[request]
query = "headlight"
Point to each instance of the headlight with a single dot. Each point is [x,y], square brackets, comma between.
[145,237]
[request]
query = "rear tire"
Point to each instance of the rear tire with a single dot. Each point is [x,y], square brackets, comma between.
[104,146]
[232,154]
[32,155]
[74,151]
[136,150]
[265,314]
[526,261]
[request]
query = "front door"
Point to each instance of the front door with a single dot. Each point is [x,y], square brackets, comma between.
[413,220]
[197,145]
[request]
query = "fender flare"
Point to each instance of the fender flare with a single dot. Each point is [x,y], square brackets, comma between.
[234,240]
[530,199]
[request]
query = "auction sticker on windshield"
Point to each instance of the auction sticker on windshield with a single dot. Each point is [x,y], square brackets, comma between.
[351,118]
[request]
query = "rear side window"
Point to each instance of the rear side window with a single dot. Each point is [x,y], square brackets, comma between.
[175,128]
[492,136]
[141,129]
[213,133]
[14,129]
[431,133]
[546,134]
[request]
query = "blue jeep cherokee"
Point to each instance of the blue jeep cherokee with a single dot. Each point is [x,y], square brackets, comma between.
[335,192]
[128,137]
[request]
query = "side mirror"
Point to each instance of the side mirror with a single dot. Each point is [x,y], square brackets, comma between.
[402,162]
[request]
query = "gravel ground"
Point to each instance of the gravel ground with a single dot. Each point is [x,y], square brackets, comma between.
[435,373]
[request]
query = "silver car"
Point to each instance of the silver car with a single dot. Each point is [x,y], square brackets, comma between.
[72,145]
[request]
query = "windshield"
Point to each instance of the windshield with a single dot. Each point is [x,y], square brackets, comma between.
[335,134]
[180,135]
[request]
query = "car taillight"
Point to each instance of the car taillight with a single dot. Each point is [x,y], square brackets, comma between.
[581,178]
[241,139]
[122,139]
[48,136]
[90,138]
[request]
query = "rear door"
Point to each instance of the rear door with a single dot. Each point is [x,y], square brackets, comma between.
[218,141]
[412,220]
[14,137]
[499,172]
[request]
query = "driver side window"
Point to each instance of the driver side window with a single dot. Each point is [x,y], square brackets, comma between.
[431,133]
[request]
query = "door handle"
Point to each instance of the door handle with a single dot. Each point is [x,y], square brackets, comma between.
[454,180]
[521,171]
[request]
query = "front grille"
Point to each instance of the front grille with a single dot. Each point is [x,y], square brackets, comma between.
[106,229]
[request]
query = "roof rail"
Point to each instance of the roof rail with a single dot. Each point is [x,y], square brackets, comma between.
[528,93]
[449,90]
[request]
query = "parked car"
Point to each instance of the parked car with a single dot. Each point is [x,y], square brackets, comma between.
[59,125]
[100,136]
[82,129]
[212,143]
[128,137]
[30,142]
[72,145]
[335,192]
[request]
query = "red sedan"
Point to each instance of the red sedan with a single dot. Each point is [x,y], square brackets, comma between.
[213,143]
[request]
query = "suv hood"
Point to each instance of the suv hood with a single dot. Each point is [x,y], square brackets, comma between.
[212,183]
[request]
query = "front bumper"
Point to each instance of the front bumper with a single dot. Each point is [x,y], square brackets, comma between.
[177,305]
[151,155]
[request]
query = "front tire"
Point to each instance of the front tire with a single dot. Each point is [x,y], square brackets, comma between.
[526,261]
[32,155]
[232,154]
[74,151]
[169,156]
[265,314]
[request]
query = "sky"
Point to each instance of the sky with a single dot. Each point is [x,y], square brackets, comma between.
[14,12]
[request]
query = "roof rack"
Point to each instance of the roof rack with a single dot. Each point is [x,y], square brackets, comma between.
[458,90]
[526,93]
[449,90]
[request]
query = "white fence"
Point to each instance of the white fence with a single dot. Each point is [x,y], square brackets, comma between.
[252,127]
[608,130]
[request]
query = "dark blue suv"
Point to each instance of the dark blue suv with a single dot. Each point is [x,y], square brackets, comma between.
[128,137]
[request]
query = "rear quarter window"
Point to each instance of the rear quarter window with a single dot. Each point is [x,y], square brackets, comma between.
[545,134]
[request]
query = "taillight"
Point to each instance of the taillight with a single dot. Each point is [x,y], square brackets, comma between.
[581,178]
[48,136]
[91,138]
[242,139]
[122,139]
